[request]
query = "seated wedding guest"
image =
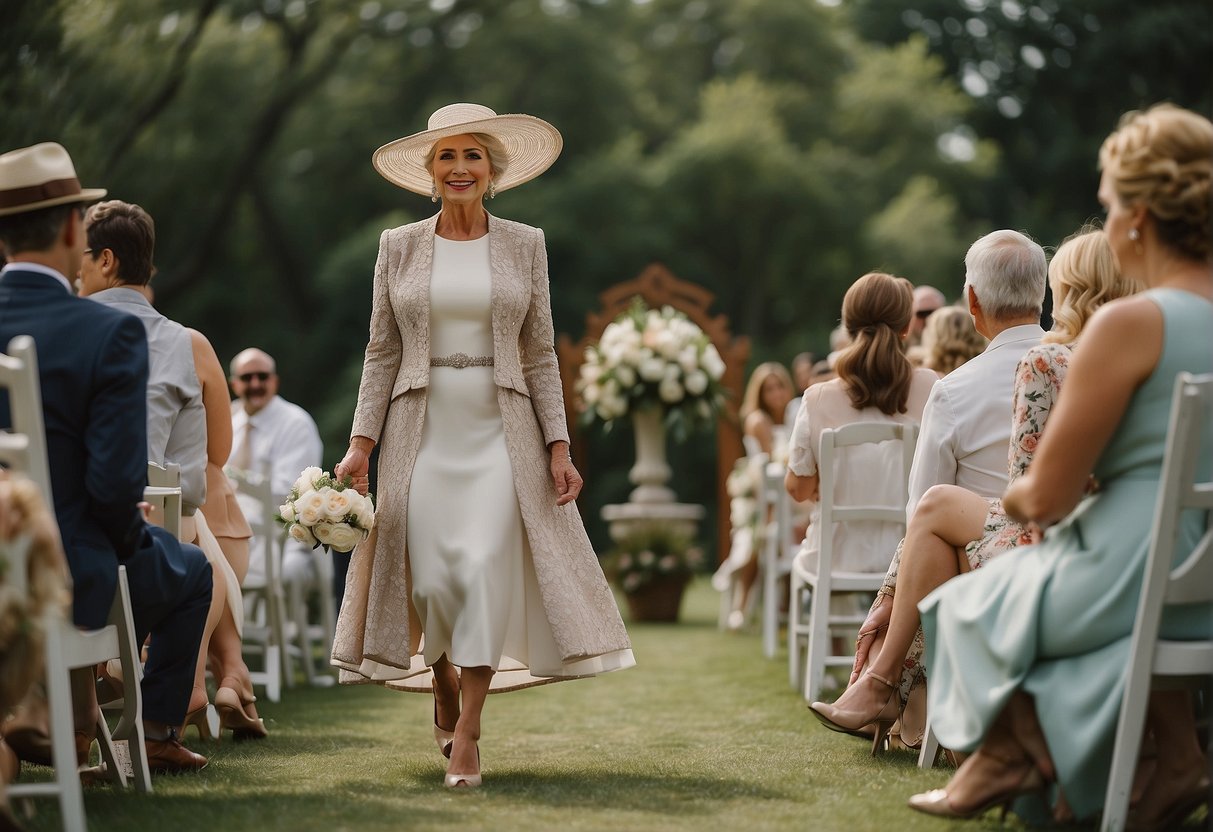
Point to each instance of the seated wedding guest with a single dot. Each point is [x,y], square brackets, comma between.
[926,300]
[966,424]
[271,433]
[954,530]
[875,384]
[116,271]
[1027,655]
[949,339]
[762,408]
[802,377]
[23,514]
[93,367]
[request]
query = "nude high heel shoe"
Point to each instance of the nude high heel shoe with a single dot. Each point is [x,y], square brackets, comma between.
[464,781]
[939,803]
[232,714]
[855,722]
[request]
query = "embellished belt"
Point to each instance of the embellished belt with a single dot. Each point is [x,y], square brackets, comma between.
[461,359]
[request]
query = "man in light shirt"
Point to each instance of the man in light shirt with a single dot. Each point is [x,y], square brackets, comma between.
[271,434]
[926,300]
[966,426]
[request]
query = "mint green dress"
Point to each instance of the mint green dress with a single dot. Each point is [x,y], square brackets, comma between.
[1055,619]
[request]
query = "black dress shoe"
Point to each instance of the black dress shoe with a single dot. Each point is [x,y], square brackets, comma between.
[169,756]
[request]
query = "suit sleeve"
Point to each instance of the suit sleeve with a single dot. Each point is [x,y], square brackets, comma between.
[538,352]
[116,440]
[383,354]
[935,455]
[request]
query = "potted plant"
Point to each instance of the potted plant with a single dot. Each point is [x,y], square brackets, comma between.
[652,565]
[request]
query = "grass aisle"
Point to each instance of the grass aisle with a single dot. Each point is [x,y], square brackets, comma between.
[703,734]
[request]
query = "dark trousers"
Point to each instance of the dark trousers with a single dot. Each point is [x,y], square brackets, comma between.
[171,588]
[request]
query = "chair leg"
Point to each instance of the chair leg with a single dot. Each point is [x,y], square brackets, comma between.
[795,625]
[1129,728]
[298,605]
[62,722]
[930,747]
[130,725]
[819,646]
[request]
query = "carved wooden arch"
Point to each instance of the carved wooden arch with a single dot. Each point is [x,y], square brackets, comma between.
[658,287]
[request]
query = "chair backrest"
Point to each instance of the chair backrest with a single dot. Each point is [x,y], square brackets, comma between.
[850,436]
[19,377]
[1187,440]
[266,532]
[164,492]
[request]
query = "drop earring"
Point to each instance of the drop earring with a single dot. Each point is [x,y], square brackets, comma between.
[492,189]
[433,193]
[1135,237]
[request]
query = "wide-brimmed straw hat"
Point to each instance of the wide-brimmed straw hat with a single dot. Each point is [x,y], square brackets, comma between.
[531,145]
[40,176]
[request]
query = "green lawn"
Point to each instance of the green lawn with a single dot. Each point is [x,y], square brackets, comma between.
[703,734]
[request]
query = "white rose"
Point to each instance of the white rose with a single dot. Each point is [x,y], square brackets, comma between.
[287,511]
[301,533]
[590,372]
[324,531]
[591,393]
[633,355]
[625,375]
[688,359]
[670,348]
[652,369]
[365,511]
[712,362]
[307,478]
[646,558]
[309,508]
[670,391]
[696,382]
[342,538]
[337,504]
[612,354]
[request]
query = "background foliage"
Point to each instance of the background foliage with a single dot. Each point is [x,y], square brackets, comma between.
[770,150]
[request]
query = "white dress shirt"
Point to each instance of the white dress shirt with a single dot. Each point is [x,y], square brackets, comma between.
[966,427]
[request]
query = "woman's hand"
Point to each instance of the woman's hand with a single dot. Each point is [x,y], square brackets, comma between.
[877,622]
[568,482]
[357,464]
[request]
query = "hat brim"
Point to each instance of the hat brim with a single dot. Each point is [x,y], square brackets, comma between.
[531,145]
[85,195]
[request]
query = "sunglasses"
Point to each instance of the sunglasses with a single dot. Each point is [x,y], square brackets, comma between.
[247,377]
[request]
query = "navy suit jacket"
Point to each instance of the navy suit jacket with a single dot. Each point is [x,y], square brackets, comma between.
[93,365]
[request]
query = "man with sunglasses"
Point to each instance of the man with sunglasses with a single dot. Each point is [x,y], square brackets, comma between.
[271,434]
[926,300]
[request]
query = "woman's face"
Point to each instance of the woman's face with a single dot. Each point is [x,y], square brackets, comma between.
[461,170]
[774,395]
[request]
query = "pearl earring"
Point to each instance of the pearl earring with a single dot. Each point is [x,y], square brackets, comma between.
[1134,234]
[433,193]
[492,189]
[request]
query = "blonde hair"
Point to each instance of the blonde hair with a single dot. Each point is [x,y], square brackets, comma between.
[949,339]
[752,400]
[46,570]
[874,368]
[1163,159]
[499,160]
[1084,275]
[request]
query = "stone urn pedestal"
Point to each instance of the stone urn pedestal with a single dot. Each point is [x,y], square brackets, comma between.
[652,504]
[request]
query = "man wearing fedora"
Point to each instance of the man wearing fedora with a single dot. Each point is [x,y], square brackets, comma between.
[93,367]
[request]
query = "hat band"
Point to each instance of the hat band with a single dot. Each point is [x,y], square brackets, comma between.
[32,194]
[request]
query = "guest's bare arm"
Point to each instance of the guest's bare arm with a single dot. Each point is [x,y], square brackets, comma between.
[215,399]
[1119,349]
[801,488]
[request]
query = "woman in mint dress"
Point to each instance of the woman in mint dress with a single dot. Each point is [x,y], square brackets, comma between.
[1026,656]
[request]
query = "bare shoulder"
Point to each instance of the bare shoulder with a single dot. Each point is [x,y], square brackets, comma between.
[1124,335]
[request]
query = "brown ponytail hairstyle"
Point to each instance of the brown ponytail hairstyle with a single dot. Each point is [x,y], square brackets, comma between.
[874,368]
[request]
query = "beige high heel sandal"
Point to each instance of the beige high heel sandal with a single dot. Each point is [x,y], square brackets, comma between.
[853,722]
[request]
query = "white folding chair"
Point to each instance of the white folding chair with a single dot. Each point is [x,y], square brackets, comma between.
[1188,440]
[65,647]
[265,626]
[163,492]
[778,550]
[820,580]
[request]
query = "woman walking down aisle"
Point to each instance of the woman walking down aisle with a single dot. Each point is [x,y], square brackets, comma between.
[1026,656]
[954,530]
[483,576]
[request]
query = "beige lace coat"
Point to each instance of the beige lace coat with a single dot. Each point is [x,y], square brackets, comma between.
[377,627]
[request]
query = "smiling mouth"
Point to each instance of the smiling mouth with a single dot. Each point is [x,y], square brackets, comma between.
[460,184]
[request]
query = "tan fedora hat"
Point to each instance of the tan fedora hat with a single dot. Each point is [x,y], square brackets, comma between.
[531,145]
[40,176]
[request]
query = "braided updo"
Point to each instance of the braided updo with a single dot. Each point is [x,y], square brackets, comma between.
[1163,158]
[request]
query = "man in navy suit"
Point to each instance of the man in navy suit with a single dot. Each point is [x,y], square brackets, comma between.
[93,368]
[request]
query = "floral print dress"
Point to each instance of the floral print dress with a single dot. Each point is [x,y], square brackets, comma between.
[1038,380]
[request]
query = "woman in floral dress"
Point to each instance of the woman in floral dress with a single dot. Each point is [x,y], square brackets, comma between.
[953,530]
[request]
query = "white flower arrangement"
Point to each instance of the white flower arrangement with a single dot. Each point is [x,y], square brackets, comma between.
[324,511]
[656,358]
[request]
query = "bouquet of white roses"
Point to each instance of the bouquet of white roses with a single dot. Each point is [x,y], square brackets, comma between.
[324,511]
[652,357]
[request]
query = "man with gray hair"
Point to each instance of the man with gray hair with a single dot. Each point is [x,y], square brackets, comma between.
[966,426]
[926,300]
